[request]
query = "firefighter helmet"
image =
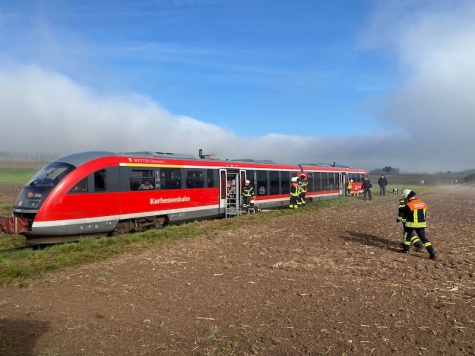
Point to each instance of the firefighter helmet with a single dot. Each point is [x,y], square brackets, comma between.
[405,193]
[293,179]
[248,181]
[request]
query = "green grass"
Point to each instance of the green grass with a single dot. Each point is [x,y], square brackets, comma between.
[6,209]
[18,266]
[16,175]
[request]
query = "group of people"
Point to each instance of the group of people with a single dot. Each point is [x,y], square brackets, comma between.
[298,191]
[367,185]
[411,210]
[411,214]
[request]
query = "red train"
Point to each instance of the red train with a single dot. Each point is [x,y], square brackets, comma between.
[104,193]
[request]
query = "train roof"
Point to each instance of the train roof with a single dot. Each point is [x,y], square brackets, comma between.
[325,165]
[77,159]
[153,154]
[250,160]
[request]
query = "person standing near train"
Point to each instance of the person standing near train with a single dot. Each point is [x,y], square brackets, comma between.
[303,183]
[247,193]
[382,182]
[366,188]
[414,212]
[349,186]
[294,193]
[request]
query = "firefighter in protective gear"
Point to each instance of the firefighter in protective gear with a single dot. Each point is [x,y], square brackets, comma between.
[303,183]
[349,186]
[247,193]
[413,238]
[294,193]
[231,196]
[414,213]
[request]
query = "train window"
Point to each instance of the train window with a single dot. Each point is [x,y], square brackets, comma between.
[262,183]
[317,182]
[81,187]
[210,177]
[100,180]
[250,177]
[50,175]
[284,182]
[310,182]
[141,179]
[274,182]
[333,181]
[170,178]
[325,181]
[194,179]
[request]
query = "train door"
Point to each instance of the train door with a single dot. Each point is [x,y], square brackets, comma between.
[233,188]
[223,189]
[343,183]
[242,181]
[232,185]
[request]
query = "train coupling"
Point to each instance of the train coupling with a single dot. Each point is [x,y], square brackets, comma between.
[13,225]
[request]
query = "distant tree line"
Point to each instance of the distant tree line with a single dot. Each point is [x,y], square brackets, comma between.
[385,170]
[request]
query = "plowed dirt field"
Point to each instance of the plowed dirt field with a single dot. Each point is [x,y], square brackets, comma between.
[327,282]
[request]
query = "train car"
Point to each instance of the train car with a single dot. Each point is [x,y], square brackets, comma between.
[99,193]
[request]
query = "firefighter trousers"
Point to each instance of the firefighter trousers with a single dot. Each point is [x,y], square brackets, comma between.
[421,233]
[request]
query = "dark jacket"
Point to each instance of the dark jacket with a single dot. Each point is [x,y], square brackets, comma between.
[382,181]
[366,185]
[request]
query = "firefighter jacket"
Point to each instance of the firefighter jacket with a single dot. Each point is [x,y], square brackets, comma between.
[303,186]
[247,191]
[414,212]
[294,190]
[402,203]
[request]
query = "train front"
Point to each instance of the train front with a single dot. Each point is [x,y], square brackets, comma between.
[32,196]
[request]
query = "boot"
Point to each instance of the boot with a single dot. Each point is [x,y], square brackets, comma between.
[432,256]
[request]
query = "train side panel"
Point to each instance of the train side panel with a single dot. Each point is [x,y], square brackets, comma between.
[180,204]
[95,211]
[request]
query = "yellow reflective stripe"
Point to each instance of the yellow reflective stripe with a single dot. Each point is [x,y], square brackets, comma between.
[418,224]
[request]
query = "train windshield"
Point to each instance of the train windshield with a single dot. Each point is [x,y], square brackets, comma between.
[50,175]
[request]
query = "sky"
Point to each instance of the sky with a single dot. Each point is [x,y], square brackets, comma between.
[363,83]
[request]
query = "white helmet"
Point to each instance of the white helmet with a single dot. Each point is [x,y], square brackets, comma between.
[293,179]
[248,181]
[406,192]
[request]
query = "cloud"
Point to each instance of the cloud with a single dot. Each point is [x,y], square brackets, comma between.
[428,120]
[45,111]
[434,45]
